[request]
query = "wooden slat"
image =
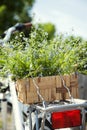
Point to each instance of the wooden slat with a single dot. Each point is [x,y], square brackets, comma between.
[50,87]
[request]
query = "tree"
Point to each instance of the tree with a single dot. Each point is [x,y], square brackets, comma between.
[12,12]
[49,28]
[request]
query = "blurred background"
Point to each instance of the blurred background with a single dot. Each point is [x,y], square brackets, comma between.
[65,16]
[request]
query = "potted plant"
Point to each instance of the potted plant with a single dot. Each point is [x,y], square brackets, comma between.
[37,56]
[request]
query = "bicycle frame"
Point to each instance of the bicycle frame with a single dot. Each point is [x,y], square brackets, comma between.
[78,104]
[17,113]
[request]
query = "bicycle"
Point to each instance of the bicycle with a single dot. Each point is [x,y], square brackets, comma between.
[5,97]
[46,115]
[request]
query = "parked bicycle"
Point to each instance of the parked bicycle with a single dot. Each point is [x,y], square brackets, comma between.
[44,115]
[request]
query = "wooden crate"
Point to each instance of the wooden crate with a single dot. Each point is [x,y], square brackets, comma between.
[50,88]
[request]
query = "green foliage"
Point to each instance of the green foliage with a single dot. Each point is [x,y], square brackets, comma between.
[49,28]
[12,12]
[82,54]
[38,56]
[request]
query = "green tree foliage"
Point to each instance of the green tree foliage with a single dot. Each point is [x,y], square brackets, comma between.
[49,28]
[13,11]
